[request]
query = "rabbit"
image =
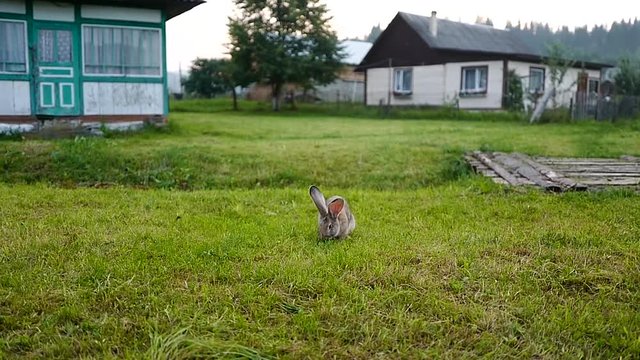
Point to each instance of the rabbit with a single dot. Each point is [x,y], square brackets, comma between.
[335,219]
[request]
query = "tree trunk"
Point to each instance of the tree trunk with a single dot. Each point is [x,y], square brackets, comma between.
[542,104]
[275,96]
[235,98]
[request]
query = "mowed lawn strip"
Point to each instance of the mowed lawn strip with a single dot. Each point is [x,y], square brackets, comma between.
[226,150]
[461,270]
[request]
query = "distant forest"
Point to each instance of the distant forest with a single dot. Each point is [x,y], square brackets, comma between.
[600,43]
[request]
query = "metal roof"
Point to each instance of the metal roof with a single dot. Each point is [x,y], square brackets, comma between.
[467,37]
[355,51]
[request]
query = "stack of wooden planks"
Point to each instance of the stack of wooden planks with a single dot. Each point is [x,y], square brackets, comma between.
[556,174]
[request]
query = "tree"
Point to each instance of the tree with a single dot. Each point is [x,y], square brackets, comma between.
[374,34]
[559,62]
[205,78]
[284,41]
[210,77]
[515,94]
[481,20]
[628,77]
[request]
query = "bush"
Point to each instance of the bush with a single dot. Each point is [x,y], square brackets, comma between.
[558,115]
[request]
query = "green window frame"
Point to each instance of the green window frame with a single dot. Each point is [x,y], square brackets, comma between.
[113,50]
[13,47]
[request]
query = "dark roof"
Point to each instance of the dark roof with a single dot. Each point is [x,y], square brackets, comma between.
[472,40]
[453,35]
[172,8]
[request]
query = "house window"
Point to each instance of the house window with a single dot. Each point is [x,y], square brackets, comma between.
[403,81]
[13,47]
[594,86]
[121,51]
[536,80]
[474,80]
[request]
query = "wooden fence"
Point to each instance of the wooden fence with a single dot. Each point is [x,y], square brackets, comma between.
[604,108]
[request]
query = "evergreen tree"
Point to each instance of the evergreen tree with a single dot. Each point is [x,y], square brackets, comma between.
[374,34]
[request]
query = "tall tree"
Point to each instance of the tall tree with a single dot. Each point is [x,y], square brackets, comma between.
[628,77]
[374,34]
[284,41]
[205,78]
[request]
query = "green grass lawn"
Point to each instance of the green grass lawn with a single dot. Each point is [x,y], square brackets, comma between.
[226,150]
[443,264]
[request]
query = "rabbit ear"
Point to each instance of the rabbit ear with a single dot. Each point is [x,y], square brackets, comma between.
[318,199]
[336,206]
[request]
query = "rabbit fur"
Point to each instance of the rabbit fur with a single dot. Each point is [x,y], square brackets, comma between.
[335,219]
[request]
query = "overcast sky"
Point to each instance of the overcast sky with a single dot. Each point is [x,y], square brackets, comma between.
[202,32]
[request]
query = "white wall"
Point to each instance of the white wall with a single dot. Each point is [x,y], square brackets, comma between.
[437,85]
[567,88]
[13,6]
[121,13]
[15,98]
[491,100]
[56,11]
[428,86]
[102,98]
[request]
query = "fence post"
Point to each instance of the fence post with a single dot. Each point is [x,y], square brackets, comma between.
[571,114]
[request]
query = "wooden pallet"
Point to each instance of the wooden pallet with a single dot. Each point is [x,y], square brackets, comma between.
[556,174]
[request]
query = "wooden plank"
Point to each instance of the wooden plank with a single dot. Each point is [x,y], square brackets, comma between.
[600,174]
[613,169]
[551,174]
[610,181]
[572,160]
[587,163]
[528,172]
[497,168]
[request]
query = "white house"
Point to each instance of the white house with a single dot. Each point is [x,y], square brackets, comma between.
[86,61]
[426,61]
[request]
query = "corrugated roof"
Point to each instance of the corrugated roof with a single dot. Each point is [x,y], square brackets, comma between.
[467,37]
[355,51]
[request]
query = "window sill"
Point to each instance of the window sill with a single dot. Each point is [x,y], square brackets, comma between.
[402,94]
[473,94]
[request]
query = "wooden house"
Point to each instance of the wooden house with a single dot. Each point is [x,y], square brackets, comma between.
[84,61]
[427,61]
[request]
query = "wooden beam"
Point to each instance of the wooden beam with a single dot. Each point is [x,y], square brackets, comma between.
[497,168]
[529,172]
[551,174]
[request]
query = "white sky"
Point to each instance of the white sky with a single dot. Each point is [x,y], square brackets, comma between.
[202,32]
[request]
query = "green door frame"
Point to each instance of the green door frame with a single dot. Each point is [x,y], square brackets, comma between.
[56,81]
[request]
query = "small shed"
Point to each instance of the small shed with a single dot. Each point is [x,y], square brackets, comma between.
[84,61]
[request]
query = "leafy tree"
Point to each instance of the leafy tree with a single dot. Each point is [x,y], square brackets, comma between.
[559,62]
[628,77]
[210,77]
[284,41]
[205,78]
[515,94]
